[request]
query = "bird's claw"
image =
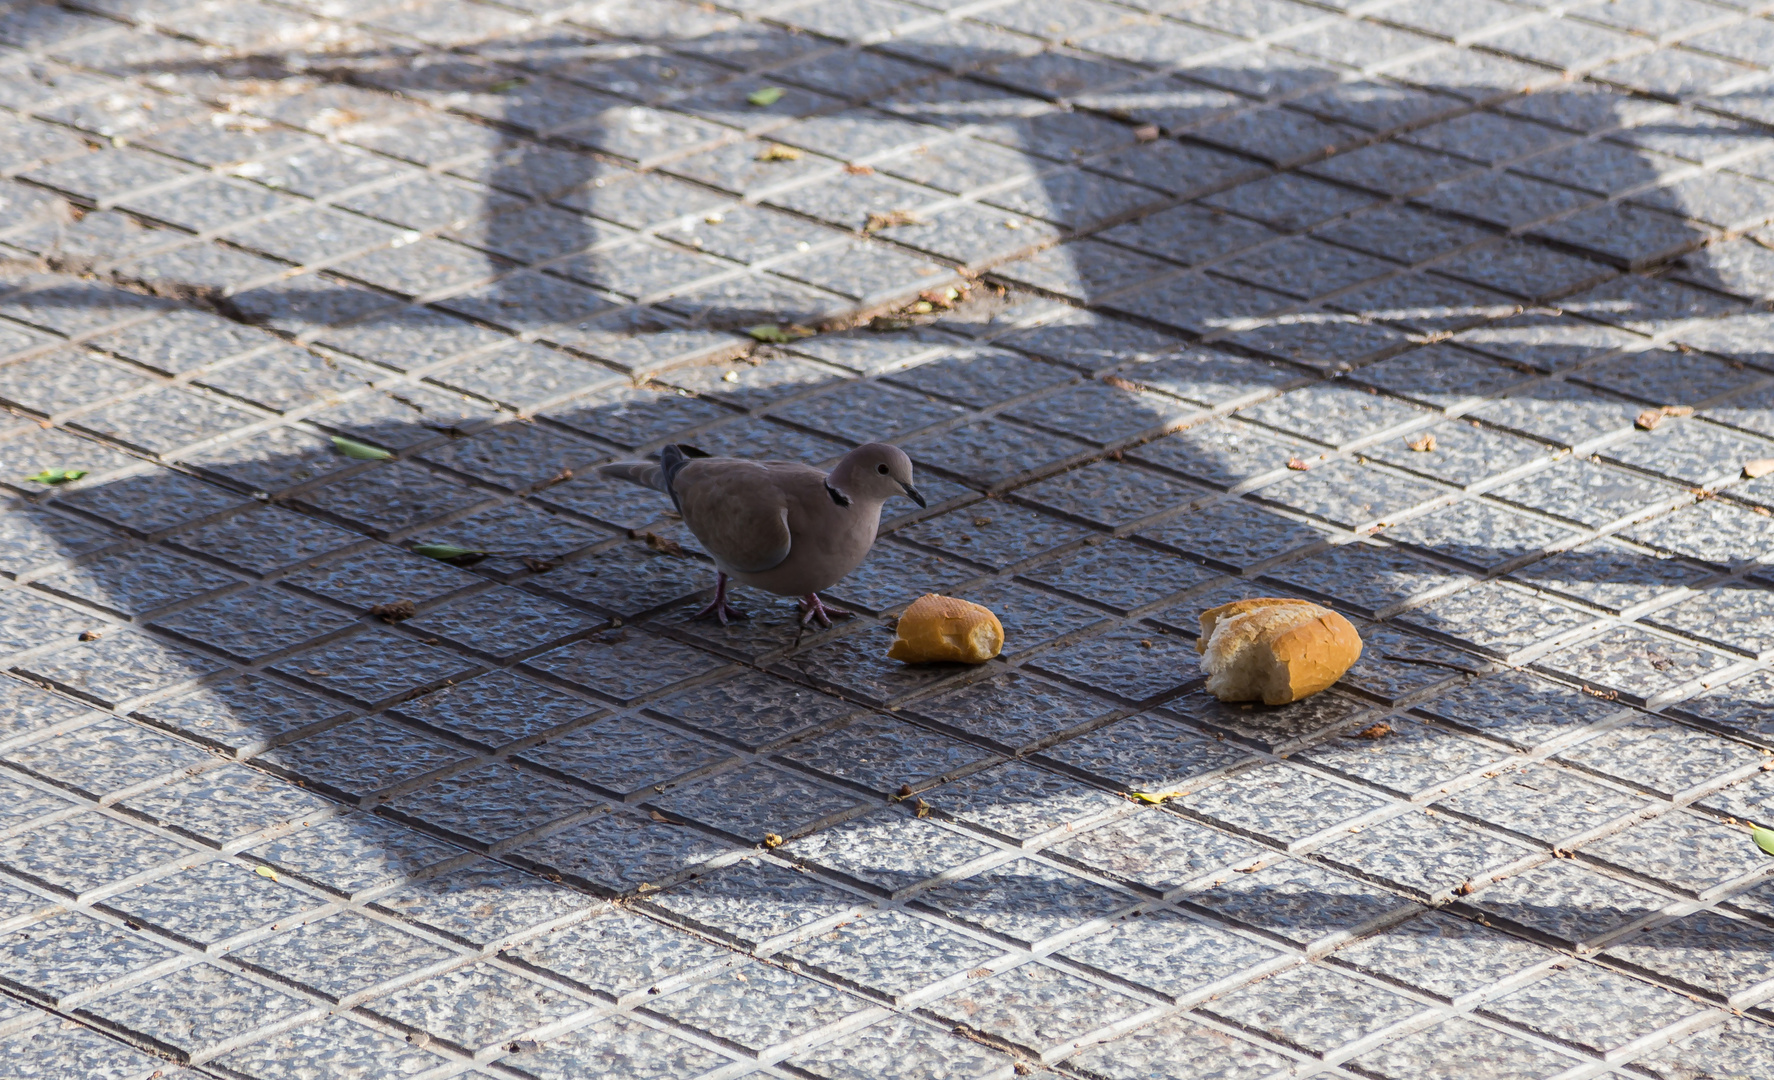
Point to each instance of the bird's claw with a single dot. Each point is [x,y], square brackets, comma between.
[718,607]
[814,608]
[721,611]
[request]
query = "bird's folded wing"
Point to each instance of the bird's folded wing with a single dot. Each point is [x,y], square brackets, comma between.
[737,513]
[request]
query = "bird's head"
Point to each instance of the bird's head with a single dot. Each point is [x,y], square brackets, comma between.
[876,471]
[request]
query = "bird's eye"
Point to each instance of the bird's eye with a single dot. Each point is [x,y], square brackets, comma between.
[882,469]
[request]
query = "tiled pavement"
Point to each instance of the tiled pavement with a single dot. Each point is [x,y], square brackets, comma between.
[537,829]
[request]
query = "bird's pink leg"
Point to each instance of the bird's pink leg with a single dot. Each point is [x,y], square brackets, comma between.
[813,608]
[719,608]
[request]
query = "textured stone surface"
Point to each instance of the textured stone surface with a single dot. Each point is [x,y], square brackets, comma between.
[1251,312]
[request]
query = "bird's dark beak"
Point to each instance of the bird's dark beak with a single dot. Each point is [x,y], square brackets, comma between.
[912,494]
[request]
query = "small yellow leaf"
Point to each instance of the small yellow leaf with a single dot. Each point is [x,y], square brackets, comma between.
[778,152]
[1764,838]
[765,95]
[1154,797]
[266,871]
[1760,467]
[771,840]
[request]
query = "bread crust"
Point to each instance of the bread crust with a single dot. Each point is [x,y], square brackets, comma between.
[947,629]
[1274,649]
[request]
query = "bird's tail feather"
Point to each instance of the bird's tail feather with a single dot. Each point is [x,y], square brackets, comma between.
[657,475]
[645,473]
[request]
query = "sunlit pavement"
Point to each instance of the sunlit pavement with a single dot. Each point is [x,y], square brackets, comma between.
[1448,315]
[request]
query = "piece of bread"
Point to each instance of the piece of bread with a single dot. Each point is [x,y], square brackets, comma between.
[942,628]
[1274,650]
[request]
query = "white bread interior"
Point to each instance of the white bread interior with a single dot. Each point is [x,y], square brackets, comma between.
[1274,650]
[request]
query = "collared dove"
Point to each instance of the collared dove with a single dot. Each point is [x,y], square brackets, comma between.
[779,526]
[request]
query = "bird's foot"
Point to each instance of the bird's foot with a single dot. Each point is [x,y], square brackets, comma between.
[721,611]
[814,608]
[718,608]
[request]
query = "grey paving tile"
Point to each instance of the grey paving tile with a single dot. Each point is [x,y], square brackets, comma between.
[1035,1007]
[727,1006]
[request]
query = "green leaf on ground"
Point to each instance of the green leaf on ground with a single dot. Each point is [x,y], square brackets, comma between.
[503,85]
[57,476]
[358,450]
[449,552]
[778,335]
[1764,838]
[765,95]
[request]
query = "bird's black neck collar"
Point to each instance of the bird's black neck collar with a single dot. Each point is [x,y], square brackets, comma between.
[837,496]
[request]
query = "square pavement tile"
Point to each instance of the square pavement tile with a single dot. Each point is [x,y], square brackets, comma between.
[1035,1007]
[890,952]
[484,902]
[1281,803]
[239,712]
[212,902]
[342,954]
[1543,802]
[1443,955]
[477,1007]
[889,850]
[753,901]
[621,953]
[1299,902]
[195,1008]
[1708,952]
[1024,900]
[1178,1048]
[51,1049]
[756,1006]
[345,1043]
[73,953]
[1313,1009]
[1569,1006]
[1421,854]
[1173,954]
[898,1048]
[1449,1050]
[1017,801]
[620,1048]
[1565,902]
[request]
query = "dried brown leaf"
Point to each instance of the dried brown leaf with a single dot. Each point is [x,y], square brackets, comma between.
[1758,468]
[878,220]
[1422,444]
[1146,133]
[663,544]
[1375,731]
[394,611]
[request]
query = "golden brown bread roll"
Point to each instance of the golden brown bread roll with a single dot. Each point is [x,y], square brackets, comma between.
[943,628]
[1274,650]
